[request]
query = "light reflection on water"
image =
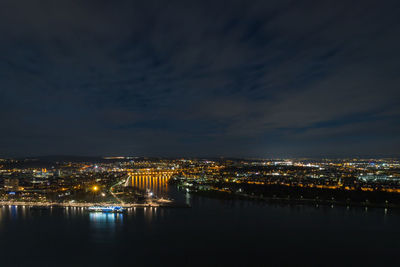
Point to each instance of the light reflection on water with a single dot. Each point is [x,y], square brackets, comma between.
[156,184]
[106,224]
[71,212]
[95,218]
[11,212]
[208,226]
[108,219]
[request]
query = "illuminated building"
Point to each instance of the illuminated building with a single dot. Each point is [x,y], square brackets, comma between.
[11,184]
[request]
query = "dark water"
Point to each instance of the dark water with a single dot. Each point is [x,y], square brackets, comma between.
[212,232]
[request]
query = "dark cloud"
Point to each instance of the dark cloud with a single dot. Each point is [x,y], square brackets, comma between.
[240,78]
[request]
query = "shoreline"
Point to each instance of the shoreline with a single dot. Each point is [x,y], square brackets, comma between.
[87,205]
[294,201]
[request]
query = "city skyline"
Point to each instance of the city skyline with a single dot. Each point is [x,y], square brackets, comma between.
[199,133]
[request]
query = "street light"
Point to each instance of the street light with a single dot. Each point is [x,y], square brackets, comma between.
[95,188]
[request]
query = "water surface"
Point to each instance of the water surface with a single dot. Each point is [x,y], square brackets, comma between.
[212,232]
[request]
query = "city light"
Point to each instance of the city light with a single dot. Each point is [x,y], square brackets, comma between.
[145,183]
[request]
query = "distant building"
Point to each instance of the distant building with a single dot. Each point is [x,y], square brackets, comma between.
[43,173]
[377,178]
[11,184]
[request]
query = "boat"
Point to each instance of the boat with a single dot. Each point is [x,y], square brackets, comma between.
[107,209]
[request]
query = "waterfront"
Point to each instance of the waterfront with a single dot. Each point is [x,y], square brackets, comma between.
[212,232]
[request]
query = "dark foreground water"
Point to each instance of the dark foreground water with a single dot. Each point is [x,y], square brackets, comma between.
[212,232]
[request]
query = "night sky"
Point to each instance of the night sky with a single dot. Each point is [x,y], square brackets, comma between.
[200,78]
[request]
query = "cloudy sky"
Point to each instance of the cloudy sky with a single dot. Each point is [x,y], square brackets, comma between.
[200,78]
